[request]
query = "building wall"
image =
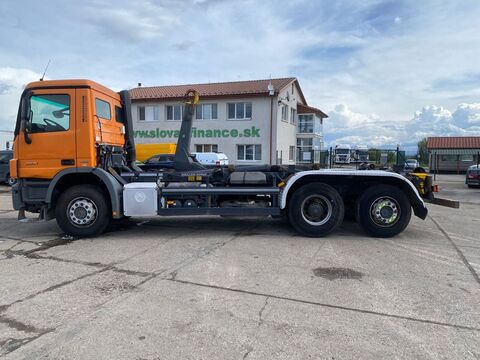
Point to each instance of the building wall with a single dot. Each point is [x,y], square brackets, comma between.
[228,134]
[255,131]
[4,138]
[286,131]
[451,163]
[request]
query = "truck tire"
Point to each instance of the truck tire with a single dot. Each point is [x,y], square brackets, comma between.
[9,180]
[383,211]
[316,209]
[83,211]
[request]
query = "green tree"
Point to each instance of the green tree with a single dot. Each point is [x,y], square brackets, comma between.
[422,152]
[391,158]
[373,155]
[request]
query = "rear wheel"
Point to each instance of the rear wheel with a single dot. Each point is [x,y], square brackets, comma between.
[315,209]
[384,211]
[83,211]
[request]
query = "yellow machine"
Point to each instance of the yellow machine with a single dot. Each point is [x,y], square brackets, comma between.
[423,182]
[144,151]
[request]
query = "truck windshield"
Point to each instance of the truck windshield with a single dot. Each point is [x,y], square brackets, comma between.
[49,113]
[343,151]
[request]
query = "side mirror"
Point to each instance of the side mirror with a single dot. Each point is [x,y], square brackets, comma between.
[25,114]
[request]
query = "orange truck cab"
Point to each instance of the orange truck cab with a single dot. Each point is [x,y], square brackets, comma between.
[74,159]
[64,128]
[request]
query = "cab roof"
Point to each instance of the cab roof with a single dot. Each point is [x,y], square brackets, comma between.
[73,83]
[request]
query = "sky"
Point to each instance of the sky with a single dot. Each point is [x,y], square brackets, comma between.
[386,72]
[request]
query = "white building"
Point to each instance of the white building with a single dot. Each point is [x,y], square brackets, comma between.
[252,122]
[6,138]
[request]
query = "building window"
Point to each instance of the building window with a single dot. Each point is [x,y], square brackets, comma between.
[239,111]
[291,153]
[305,143]
[305,123]
[201,148]
[293,116]
[141,113]
[305,149]
[449,157]
[156,113]
[285,113]
[466,157]
[249,152]
[174,112]
[102,109]
[149,113]
[206,112]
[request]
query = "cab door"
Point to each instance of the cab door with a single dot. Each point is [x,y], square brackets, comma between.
[51,129]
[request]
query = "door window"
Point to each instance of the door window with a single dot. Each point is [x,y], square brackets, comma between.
[49,113]
[102,109]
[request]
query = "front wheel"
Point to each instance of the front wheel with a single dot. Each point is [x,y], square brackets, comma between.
[384,211]
[83,211]
[316,209]
[10,181]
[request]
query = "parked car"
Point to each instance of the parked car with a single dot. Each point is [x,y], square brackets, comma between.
[5,156]
[411,164]
[159,161]
[211,158]
[472,178]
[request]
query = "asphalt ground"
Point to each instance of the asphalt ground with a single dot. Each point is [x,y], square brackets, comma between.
[215,288]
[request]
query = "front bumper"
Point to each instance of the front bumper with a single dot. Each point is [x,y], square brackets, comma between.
[473,182]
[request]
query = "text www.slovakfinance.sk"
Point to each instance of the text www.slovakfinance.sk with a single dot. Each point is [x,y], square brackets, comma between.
[251,132]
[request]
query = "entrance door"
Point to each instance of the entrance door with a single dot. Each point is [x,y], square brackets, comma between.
[51,128]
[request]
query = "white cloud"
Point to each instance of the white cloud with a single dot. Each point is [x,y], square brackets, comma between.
[346,126]
[136,21]
[394,70]
[12,83]
[438,121]
[397,20]
[14,79]
[467,115]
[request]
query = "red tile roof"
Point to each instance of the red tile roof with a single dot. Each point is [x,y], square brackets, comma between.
[304,109]
[222,89]
[454,142]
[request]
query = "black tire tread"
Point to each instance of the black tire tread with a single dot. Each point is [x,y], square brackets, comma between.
[103,208]
[294,211]
[363,211]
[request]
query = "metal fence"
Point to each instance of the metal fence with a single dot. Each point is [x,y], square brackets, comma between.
[325,159]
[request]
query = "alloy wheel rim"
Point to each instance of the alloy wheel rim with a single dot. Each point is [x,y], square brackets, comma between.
[316,210]
[385,211]
[82,211]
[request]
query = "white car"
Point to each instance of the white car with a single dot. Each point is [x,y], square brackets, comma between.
[411,164]
[211,158]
